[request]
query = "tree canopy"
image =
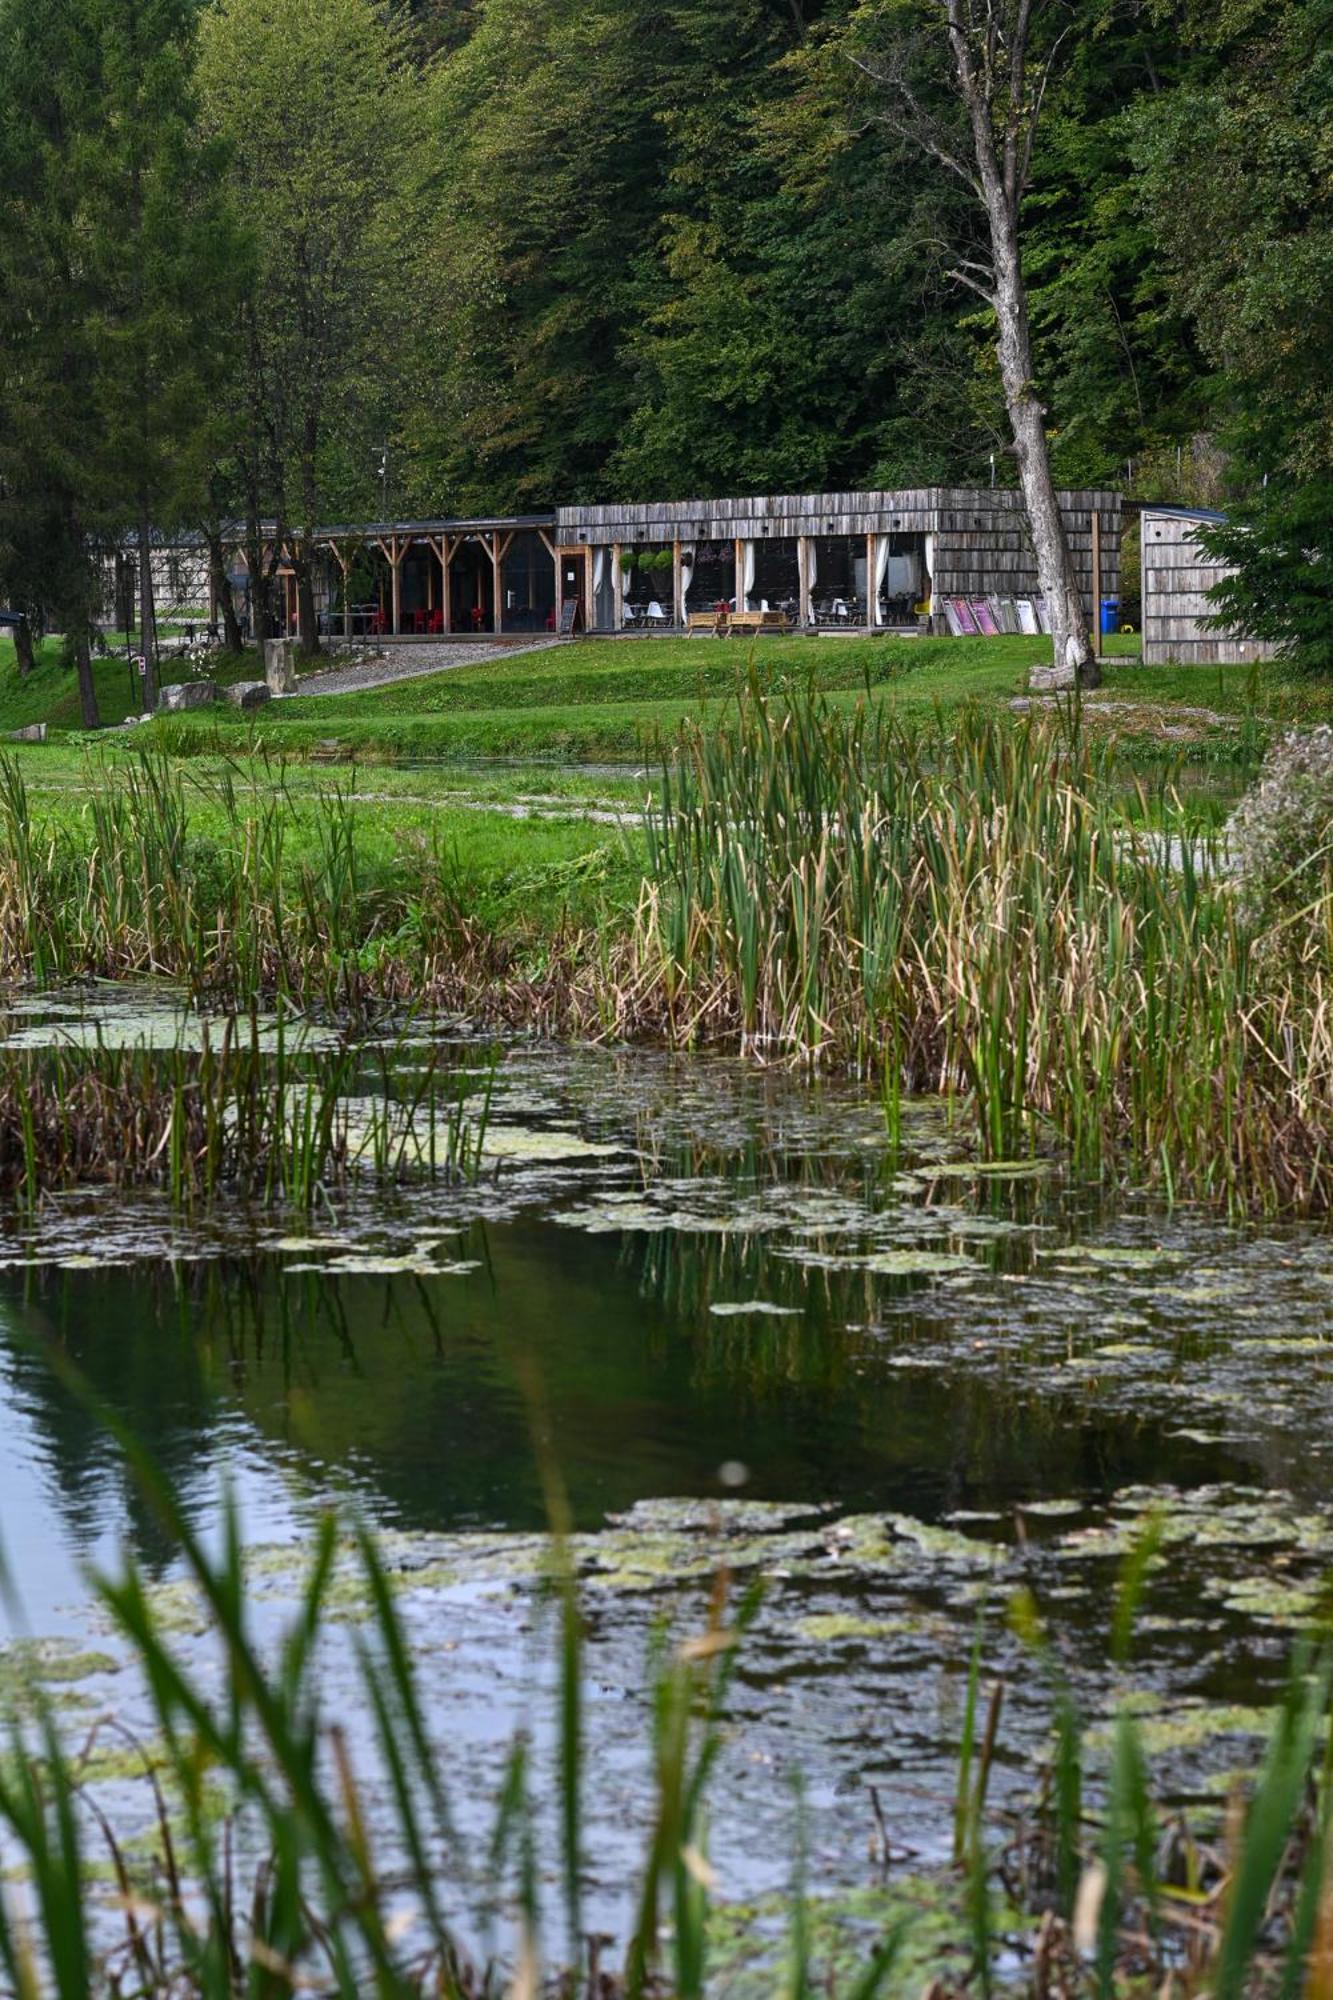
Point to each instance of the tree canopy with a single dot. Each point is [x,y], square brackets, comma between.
[544,250]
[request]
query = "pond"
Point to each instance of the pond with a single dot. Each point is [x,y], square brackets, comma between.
[742,1330]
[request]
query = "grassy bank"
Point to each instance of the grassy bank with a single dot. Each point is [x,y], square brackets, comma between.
[616,699]
[963,907]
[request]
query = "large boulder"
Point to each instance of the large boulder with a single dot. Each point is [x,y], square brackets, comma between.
[280,665]
[248,694]
[188,694]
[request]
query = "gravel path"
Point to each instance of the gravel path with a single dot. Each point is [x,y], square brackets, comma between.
[409,663]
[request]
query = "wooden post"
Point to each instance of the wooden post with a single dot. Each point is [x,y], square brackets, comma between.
[617,589]
[1097,646]
[742,597]
[396,564]
[344,564]
[503,544]
[548,543]
[803,567]
[495,580]
[872,588]
[677,595]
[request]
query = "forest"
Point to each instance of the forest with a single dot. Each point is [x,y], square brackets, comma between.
[319,260]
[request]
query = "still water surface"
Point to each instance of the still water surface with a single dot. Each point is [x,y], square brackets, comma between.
[686,1280]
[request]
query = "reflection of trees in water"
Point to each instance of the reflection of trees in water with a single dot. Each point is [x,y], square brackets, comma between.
[414,1390]
[135,1337]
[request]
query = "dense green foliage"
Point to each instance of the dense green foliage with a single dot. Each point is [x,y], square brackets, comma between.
[538,250]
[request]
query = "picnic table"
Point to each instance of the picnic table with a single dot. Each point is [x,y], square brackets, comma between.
[758,621]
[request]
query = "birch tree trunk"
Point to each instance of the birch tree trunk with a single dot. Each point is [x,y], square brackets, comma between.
[1071,643]
[1002,54]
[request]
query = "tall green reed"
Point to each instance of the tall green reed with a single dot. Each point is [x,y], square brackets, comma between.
[967,907]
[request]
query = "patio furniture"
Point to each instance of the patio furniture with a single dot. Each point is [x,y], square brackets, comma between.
[758,621]
[713,622]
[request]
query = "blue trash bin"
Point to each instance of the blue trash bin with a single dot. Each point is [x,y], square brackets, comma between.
[1110,614]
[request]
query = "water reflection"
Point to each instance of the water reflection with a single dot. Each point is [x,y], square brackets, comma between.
[414,1392]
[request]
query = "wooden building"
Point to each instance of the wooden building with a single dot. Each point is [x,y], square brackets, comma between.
[869,560]
[1178,574]
[858,561]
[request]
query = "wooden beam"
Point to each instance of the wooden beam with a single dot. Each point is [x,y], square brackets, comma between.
[494,540]
[803,566]
[677,594]
[617,589]
[742,599]
[872,589]
[1096,583]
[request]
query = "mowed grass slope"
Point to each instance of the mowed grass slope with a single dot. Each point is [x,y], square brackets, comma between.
[620,700]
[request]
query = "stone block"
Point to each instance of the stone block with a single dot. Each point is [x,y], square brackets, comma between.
[32,732]
[1062,680]
[187,694]
[280,665]
[248,694]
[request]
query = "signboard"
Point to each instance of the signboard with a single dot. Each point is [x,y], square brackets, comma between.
[569,612]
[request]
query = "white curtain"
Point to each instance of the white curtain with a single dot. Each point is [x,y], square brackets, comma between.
[598,570]
[744,603]
[686,571]
[881,571]
[930,569]
[811,562]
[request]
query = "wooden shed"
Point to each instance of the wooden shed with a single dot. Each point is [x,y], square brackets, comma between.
[1178,574]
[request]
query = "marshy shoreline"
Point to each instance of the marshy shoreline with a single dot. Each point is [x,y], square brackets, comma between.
[965,910]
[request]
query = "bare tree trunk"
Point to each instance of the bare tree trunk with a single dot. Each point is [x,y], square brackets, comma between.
[23,649]
[305,578]
[1056,573]
[222,595]
[83,663]
[990,43]
[147,619]
[305,599]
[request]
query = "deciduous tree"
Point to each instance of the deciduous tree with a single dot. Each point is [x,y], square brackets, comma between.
[321,111]
[965,82]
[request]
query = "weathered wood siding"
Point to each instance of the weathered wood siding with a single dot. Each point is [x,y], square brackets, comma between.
[1177,577]
[981,543]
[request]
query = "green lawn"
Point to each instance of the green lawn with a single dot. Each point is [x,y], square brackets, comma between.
[616,700]
[516,772]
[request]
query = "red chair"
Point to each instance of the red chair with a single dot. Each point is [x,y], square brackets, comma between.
[377,622]
[435,622]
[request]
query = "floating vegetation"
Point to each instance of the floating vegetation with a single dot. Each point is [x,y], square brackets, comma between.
[232,1830]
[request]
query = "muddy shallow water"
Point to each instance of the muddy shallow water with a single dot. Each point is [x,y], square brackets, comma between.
[747,1333]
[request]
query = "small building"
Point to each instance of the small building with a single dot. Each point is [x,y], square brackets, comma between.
[1178,574]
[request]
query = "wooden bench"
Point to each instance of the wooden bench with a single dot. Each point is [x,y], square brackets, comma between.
[712,622]
[759,621]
